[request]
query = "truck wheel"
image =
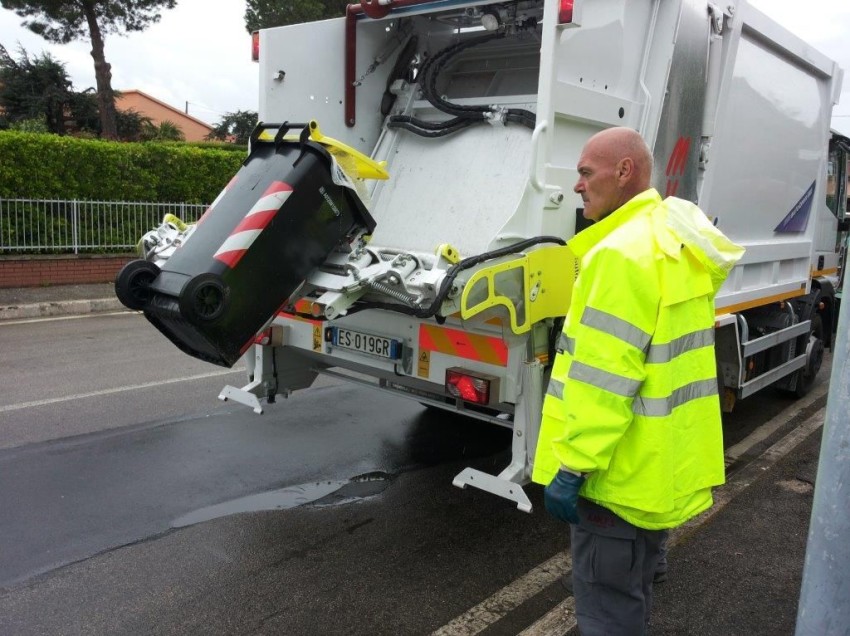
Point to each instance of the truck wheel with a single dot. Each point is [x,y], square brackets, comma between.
[204,298]
[132,285]
[815,348]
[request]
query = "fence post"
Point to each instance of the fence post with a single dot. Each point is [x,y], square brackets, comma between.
[75,222]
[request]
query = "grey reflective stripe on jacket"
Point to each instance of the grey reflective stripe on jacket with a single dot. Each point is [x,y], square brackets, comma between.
[605,380]
[661,353]
[565,343]
[662,407]
[617,327]
[655,354]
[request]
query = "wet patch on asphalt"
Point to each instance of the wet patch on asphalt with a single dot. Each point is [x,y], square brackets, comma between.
[319,494]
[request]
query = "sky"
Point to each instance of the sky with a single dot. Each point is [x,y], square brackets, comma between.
[202,56]
[199,52]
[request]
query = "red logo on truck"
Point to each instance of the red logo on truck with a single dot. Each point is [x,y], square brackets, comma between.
[676,165]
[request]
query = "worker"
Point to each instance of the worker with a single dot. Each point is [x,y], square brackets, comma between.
[631,442]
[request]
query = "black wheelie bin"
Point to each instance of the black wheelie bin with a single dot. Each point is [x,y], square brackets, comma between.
[277,219]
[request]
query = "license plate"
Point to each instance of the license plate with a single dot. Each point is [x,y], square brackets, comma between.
[378,346]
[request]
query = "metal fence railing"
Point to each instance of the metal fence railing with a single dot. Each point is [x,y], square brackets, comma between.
[43,226]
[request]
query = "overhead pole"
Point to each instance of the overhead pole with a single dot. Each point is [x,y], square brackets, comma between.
[824,607]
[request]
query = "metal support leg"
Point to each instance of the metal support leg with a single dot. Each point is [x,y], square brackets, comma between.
[509,482]
[264,384]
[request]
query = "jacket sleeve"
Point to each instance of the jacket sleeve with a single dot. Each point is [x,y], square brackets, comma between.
[609,328]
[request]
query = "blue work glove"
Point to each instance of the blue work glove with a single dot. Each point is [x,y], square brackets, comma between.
[561,496]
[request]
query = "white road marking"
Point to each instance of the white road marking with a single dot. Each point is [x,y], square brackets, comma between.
[118,389]
[508,598]
[27,321]
[766,430]
[557,622]
[561,618]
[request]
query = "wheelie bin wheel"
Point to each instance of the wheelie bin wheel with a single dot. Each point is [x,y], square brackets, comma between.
[204,298]
[132,285]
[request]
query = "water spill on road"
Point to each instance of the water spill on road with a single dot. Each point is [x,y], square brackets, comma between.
[359,487]
[322,493]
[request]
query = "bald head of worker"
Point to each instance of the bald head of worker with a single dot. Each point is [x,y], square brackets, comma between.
[614,166]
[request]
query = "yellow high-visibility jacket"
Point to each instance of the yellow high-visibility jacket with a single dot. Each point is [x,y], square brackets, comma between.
[633,393]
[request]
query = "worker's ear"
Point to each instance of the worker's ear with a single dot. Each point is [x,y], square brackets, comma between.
[625,170]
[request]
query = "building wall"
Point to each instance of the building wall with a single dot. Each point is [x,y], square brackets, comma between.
[158,111]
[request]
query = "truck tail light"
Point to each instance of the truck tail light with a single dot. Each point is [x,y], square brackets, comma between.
[565,12]
[255,45]
[467,386]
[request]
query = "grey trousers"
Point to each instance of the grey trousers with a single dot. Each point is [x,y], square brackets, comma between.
[613,566]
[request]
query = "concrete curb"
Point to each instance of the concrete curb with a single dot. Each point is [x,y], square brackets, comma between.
[60,308]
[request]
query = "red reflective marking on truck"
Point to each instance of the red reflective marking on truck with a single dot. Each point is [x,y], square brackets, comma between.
[455,342]
[425,340]
[676,165]
[679,156]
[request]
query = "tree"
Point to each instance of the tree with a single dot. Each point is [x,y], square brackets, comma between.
[166,131]
[62,21]
[132,125]
[235,127]
[34,89]
[84,118]
[84,113]
[262,14]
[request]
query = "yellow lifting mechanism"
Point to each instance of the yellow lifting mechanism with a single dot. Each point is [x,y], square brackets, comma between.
[532,287]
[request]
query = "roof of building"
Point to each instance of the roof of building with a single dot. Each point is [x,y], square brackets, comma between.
[176,111]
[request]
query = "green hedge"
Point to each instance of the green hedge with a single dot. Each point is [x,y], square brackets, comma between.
[43,166]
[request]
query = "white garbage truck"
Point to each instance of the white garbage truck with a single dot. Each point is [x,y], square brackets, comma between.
[458,126]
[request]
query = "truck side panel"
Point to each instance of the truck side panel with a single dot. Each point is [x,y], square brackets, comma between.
[764,178]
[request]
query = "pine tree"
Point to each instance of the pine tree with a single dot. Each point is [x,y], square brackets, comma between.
[62,21]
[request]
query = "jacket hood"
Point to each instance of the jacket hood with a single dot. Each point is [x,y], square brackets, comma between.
[685,225]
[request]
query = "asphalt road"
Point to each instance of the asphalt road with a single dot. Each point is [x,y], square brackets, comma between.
[121,480]
[105,467]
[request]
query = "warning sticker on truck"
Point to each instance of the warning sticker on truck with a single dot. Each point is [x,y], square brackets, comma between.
[462,344]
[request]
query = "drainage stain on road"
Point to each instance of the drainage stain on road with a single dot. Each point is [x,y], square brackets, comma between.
[322,493]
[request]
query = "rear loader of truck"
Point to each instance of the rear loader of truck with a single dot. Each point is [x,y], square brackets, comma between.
[432,146]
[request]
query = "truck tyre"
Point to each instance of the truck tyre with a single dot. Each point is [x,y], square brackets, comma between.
[815,348]
[132,285]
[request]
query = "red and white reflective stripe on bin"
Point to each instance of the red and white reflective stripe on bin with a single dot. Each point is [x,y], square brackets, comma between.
[249,228]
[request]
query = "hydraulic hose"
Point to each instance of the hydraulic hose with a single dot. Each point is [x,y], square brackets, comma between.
[432,130]
[430,125]
[521,116]
[438,62]
[463,115]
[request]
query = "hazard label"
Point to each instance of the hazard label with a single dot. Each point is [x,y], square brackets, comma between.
[423,367]
[317,337]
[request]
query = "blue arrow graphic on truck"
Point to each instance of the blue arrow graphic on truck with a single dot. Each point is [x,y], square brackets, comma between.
[798,218]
